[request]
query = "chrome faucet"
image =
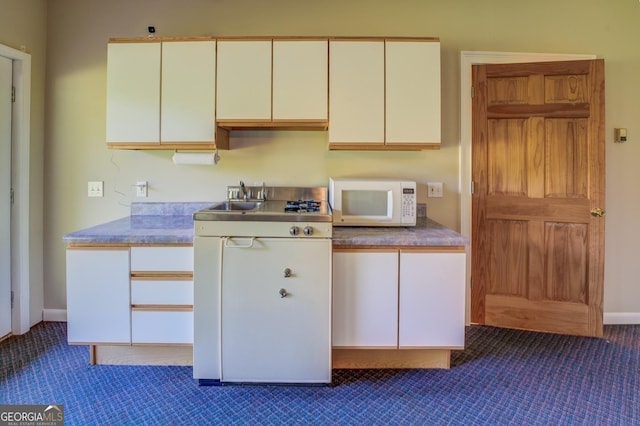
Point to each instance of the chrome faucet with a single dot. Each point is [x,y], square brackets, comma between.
[243,191]
[263,193]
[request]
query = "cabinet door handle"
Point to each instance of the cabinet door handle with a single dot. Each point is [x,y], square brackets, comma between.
[229,239]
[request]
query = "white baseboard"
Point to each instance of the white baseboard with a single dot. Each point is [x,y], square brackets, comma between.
[57,315]
[610,318]
[619,318]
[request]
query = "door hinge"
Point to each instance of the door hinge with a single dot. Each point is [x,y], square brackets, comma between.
[473,187]
[11,299]
[473,92]
[12,196]
[471,282]
[13,94]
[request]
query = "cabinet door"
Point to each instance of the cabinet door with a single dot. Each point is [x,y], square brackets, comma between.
[267,337]
[300,79]
[98,306]
[188,91]
[133,92]
[161,326]
[432,300]
[412,92]
[162,259]
[207,252]
[356,92]
[244,80]
[365,299]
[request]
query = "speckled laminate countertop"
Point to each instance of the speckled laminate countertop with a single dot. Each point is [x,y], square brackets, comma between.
[172,223]
[426,233]
[149,223]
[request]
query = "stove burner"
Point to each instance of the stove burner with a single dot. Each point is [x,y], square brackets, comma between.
[302,206]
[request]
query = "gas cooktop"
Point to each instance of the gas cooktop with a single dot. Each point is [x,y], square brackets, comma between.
[303,206]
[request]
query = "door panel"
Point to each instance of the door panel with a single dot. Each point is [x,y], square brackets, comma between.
[6,81]
[565,175]
[538,168]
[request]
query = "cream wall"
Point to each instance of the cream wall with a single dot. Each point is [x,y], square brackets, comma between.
[77,34]
[23,26]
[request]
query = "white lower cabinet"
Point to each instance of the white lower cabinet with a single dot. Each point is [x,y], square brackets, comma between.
[160,326]
[130,295]
[98,304]
[431,300]
[162,295]
[365,299]
[162,259]
[398,299]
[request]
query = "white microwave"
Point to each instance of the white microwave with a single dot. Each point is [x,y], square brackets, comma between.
[372,202]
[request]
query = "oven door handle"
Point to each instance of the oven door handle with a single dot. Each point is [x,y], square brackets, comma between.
[228,239]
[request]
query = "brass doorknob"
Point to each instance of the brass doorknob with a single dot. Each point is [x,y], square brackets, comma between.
[597,212]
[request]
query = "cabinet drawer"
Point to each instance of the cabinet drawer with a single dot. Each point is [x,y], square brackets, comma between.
[161,292]
[161,326]
[161,259]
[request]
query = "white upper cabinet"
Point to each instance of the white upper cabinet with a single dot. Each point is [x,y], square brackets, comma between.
[133,92]
[265,81]
[356,92]
[412,92]
[384,94]
[161,92]
[188,91]
[300,80]
[244,80]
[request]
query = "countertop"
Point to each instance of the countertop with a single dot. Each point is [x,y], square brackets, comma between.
[172,223]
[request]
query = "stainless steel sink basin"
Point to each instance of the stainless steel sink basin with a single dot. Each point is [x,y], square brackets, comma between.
[235,206]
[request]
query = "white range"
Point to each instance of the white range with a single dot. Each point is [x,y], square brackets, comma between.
[262,288]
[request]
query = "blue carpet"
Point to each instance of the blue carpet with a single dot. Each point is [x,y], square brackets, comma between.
[503,377]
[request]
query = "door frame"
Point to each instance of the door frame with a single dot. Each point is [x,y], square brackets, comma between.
[21,145]
[467,60]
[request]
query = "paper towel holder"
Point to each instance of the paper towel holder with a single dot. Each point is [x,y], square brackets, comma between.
[196,158]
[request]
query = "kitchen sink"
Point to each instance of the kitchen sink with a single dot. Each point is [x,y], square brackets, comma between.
[236,206]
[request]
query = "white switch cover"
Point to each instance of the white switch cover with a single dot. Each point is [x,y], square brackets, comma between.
[141,188]
[434,189]
[95,188]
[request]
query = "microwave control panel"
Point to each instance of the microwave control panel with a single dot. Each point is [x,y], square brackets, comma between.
[408,205]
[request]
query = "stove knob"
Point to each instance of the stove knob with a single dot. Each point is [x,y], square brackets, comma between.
[294,230]
[308,231]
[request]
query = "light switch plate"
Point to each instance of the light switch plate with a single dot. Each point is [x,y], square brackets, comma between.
[434,189]
[142,188]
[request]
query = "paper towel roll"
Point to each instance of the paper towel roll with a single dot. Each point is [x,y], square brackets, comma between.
[201,158]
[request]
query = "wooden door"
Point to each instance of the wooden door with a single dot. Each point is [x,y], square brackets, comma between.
[538,170]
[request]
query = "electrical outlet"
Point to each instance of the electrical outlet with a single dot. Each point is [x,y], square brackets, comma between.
[95,188]
[434,189]
[142,188]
